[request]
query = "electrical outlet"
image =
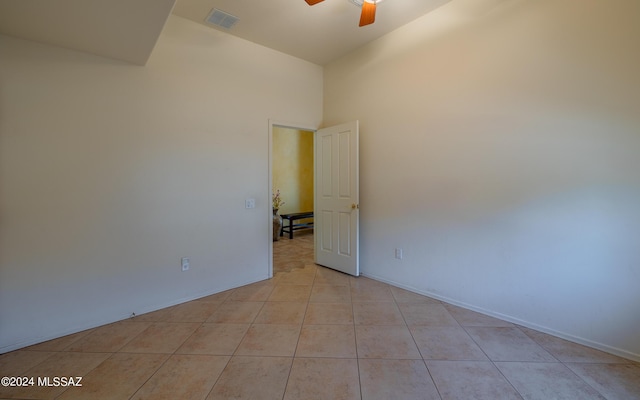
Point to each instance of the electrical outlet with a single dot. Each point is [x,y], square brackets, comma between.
[398,253]
[184,262]
[250,203]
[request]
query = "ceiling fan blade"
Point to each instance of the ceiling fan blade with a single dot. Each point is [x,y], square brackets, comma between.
[312,2]
[368,15]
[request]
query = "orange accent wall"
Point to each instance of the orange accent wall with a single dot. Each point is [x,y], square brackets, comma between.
[293,168]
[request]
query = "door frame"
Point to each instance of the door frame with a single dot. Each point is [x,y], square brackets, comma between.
[290,125]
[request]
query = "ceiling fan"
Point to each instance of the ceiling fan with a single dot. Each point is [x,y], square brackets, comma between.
[368,14]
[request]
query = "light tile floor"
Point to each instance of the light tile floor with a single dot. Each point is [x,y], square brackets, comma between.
[313,333]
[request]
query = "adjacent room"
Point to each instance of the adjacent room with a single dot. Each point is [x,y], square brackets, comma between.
[498,215]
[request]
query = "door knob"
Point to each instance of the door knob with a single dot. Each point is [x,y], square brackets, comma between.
[354,206]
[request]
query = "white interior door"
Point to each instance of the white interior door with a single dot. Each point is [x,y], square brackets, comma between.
[336,214]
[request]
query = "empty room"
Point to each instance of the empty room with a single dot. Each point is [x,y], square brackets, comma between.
[476,199]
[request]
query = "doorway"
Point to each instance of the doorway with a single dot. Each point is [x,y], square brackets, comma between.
[291,172]
[336,196]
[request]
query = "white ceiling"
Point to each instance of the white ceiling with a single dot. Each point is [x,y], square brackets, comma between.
[319,33]
[128,30]
[121,29]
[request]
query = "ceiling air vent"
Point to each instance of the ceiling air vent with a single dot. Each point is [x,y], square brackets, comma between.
[221,18]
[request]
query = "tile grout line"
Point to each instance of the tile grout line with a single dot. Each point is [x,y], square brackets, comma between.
[424,361]
[395,302]
[563,363]
[355,337]
[174,352]
[489,358]
[295,351]
[193,333]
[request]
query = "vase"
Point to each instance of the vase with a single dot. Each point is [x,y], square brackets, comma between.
[277,225]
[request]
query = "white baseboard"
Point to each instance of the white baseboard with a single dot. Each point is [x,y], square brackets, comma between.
[575,339]
[116,318]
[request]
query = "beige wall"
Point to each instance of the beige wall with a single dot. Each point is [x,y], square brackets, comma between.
[109,173]
[293,168]
[500,148]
